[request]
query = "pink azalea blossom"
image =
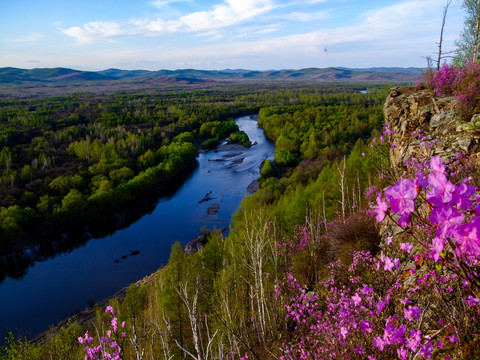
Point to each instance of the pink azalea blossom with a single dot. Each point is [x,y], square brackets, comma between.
[437,248]
[441,189]
[402,353]
[402,196]
[453,338]
[357,300]
[365,326]
[467,238]
[109,309]
[380,209]
[379,343]
[407,247]
[414,340]
[399,335]
[413,312]
[446,217]
[436,164]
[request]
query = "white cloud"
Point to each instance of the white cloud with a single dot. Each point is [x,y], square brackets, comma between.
[395,35]
[306,17]
[27,38]
[161,4]
[230,13]
[94,30]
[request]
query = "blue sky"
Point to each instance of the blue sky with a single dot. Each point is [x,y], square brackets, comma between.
[221,34]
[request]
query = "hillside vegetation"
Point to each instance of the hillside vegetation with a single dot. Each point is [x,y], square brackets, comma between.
[310,269]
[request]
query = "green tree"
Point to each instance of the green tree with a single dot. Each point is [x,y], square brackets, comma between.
[467,45]
[171,301]
[119,176]
[18,349]
[267,169]
[73,202]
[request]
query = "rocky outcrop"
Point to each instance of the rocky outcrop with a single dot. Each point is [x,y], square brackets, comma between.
[439,131]
[442,132]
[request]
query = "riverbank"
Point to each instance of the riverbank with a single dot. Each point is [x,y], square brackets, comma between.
[57,286]
[84,317]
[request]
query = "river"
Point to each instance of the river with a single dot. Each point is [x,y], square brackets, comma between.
[57,287]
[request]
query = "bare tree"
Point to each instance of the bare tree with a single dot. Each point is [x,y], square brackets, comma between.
[445,10]
[342,186]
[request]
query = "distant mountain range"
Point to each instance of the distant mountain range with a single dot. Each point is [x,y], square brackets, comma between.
[44,77]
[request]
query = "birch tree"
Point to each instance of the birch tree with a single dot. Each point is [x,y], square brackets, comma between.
[467,45]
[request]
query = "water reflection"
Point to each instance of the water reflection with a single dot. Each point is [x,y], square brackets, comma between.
[45,284]
[15,265]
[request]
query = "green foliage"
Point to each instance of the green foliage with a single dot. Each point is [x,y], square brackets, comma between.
[119,176]
[18,349]
[73,202]
[186,136]
[468,44]
[239,137]
[134,303]
[210,143]
[230,281]
[267,169]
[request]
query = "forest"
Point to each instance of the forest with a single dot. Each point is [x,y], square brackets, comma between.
[66,160]
[338,255]
[68,154]
[303,272]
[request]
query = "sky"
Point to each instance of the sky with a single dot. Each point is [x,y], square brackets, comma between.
[224,34]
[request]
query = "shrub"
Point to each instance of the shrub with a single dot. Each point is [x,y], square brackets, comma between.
[463,82]
[420,298]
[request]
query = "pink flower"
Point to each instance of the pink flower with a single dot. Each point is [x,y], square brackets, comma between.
[402,196]
[473,301]
[426,349]
[446,217]
[407,247]
[413,312]
[109,309]
[379,343]
[114,325]
[436,164]
[467,238]
[380,209]
[414,340]
[462,195]
[402,353]
[365,326]
[366,290]
[441,189]
[437,248]
[357,300]
[453,339]
[398,336]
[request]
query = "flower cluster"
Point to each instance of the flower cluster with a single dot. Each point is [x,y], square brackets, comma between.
[109,347]
[299,241]
[452,211]
[463,83]
[406,302]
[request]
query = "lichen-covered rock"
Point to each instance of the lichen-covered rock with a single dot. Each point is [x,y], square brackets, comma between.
[409,110]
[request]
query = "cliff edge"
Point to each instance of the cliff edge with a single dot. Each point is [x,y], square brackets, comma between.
[434,122]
